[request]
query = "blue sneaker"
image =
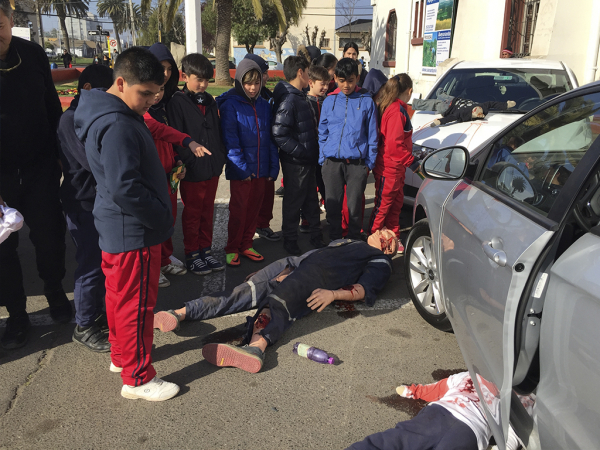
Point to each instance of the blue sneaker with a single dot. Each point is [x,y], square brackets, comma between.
[196,265]
[210,260]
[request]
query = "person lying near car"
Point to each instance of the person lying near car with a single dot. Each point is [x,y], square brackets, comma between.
[454,420]
[287,290]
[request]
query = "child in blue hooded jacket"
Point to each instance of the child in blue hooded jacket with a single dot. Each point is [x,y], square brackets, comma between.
[252,157]
[348,148]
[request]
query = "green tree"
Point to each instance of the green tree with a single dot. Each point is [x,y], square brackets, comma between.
[49,45]
[116,10]
[176,33]
[64,8]
[246,28]
[209,27]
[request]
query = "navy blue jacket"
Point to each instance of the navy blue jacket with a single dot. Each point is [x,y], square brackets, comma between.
[294,126]
[348,127]
[78,189]
[246,127]
[132,208]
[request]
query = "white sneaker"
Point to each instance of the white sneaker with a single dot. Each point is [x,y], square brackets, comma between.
[175,268]
[163,281]
[156,390]
[115,369]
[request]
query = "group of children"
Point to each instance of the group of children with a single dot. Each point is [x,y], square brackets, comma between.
[131,137]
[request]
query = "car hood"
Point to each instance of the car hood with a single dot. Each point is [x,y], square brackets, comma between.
[468,134]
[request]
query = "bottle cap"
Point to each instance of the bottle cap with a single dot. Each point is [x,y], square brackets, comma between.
[330,360]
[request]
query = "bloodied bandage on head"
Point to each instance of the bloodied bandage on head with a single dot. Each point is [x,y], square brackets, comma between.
[385,240]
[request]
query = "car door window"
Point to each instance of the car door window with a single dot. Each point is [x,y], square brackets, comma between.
[533,161]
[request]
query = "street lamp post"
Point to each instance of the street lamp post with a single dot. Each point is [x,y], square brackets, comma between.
[193,26]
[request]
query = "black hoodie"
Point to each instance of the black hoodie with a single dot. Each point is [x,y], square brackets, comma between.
[132,208]
[294,126]
[162,53]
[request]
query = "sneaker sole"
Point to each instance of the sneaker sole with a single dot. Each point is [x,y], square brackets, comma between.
[167,395]
[225,355]
[165,322]
[204,272]
[167,284]
[177,272]
[218,269]
[252,257]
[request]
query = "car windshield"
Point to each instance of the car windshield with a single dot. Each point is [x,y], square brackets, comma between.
[527,87]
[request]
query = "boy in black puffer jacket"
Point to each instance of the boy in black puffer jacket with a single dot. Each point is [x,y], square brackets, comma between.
[295,133]
[194,111]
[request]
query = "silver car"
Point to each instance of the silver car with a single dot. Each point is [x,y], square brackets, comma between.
[505,251]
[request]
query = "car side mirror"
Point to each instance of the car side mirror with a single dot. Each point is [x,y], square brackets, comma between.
[448,163]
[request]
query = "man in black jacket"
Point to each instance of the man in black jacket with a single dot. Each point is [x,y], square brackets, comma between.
[295,133]
[67,58]
[29,177]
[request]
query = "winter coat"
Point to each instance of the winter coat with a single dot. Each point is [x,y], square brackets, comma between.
[461,110]
[246,128]
[204,128]
[132,208]
[30,110]
[374,81]
[395,140]
[294,126]
[78,189]
[348,127]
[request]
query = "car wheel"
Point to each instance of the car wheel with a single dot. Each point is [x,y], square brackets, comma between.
[421,276]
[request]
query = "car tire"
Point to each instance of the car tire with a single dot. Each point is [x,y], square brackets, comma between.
[421,275]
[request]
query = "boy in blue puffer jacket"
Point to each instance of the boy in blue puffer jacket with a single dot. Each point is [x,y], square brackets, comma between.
[348,147]
[252,157]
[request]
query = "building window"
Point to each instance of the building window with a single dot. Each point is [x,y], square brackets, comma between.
[417,34]
[325,43]
[391,31]
[519,26]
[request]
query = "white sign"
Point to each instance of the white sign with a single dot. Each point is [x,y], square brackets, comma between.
[22,32]
[113,43]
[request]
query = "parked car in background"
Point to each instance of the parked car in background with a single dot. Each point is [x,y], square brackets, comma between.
[505,251]
[528,82]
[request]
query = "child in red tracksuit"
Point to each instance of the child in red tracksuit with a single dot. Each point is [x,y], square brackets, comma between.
[394,154]
[164,138]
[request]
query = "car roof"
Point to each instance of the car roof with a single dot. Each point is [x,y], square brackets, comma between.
[511,63]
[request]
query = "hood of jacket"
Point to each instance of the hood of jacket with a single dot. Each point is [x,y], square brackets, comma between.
[282,89]
[245,66]
[374,80]
[94,104]
[162,53]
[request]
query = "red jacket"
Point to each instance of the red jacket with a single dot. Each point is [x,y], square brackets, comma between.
[395,139]
[164,138]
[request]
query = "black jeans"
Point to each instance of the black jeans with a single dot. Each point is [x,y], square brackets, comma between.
[336,175]
[300,194]
[34,192]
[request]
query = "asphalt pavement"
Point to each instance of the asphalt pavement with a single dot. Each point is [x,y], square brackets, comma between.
[56,394]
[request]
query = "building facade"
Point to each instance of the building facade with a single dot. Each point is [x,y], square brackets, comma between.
[78,28]
[541,29]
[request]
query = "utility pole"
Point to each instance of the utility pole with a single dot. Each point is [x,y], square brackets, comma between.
[132,23]
[193,26]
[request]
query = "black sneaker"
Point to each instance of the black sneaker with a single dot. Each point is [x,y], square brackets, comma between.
[16,333]
[195,264]
[268,234]
[102,321]
[61,310]
[92,337]
[280,191]
[210,260]
[317,241]
[292,247]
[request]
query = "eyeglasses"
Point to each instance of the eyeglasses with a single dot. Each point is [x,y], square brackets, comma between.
[13,67]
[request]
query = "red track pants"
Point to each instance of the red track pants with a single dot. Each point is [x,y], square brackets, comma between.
[166,248]
[389,198]
[244,205]
[131,290]
[198,198]
[265,214]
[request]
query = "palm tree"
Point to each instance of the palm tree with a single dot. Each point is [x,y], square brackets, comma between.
[64,8]
[116,10]
[285,10]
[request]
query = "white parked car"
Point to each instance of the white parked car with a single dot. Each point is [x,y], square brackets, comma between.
[528,82]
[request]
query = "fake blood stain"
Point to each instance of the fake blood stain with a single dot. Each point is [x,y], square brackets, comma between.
[347,309]
[407,405]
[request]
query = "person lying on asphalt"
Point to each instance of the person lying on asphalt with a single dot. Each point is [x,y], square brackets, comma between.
[289,289]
